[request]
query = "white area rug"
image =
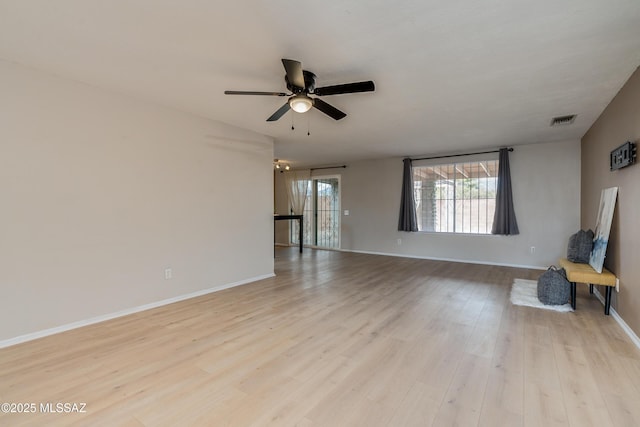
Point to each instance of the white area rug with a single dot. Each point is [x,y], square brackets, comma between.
[525,292]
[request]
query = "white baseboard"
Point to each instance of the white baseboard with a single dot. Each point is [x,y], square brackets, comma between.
[619,319]
[531,267]
[69,326]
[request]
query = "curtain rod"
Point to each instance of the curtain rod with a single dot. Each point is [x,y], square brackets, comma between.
[459,155]
[329,167]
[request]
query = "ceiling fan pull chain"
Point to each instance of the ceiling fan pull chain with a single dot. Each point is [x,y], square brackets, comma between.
[292,127]
[309,125]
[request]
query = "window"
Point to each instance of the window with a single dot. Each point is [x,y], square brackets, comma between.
[456,197]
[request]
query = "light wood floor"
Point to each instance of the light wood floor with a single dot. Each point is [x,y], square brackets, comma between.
[339,339]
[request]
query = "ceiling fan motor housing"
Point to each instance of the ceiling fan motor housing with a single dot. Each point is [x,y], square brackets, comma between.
[309,82]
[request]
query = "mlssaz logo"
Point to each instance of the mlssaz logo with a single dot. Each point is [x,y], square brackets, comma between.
[63,407]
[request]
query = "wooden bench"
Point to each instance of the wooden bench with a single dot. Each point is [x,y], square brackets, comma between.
[584,273]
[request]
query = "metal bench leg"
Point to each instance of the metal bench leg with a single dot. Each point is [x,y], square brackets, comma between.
[573,295]
[607,300]
[591,288]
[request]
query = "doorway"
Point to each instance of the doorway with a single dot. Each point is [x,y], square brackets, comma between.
[321,214]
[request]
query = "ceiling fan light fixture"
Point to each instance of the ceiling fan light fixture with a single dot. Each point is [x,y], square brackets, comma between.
[300,103]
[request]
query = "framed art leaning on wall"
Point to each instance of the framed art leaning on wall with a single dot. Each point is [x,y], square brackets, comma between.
[603,228]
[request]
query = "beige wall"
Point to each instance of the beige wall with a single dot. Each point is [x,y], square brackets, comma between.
[546,191]
[101,193]
[620,122]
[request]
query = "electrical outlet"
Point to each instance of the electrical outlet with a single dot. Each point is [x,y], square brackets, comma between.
[168,273]
[346,212]
[532,249]
[399,242]
[617,284]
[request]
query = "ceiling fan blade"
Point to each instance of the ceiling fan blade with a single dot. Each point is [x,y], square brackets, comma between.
[329,110]
[367,86]
[281,111]
[294,72]
[243,92]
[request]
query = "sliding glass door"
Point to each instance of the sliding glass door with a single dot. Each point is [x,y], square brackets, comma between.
[321,214]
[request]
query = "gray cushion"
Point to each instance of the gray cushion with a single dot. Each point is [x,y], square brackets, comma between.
[553,287]
[580,245]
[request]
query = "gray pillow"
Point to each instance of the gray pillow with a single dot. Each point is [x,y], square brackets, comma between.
[580,245]
[553,287]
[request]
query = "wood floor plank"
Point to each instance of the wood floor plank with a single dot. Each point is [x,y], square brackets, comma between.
[503,403]
[418,407]
[463,401]
[339,339]
[583,401]
[544,406]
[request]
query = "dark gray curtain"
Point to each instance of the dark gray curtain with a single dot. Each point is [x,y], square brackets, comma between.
[504,220]
[407,221]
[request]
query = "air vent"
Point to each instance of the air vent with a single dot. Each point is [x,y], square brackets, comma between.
[563,120]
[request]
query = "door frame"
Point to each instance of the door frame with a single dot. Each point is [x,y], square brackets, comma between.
[313,198]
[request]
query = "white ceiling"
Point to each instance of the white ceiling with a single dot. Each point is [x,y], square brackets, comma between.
[450,75]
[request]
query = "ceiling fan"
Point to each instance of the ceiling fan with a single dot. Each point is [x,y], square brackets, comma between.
[302,83]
